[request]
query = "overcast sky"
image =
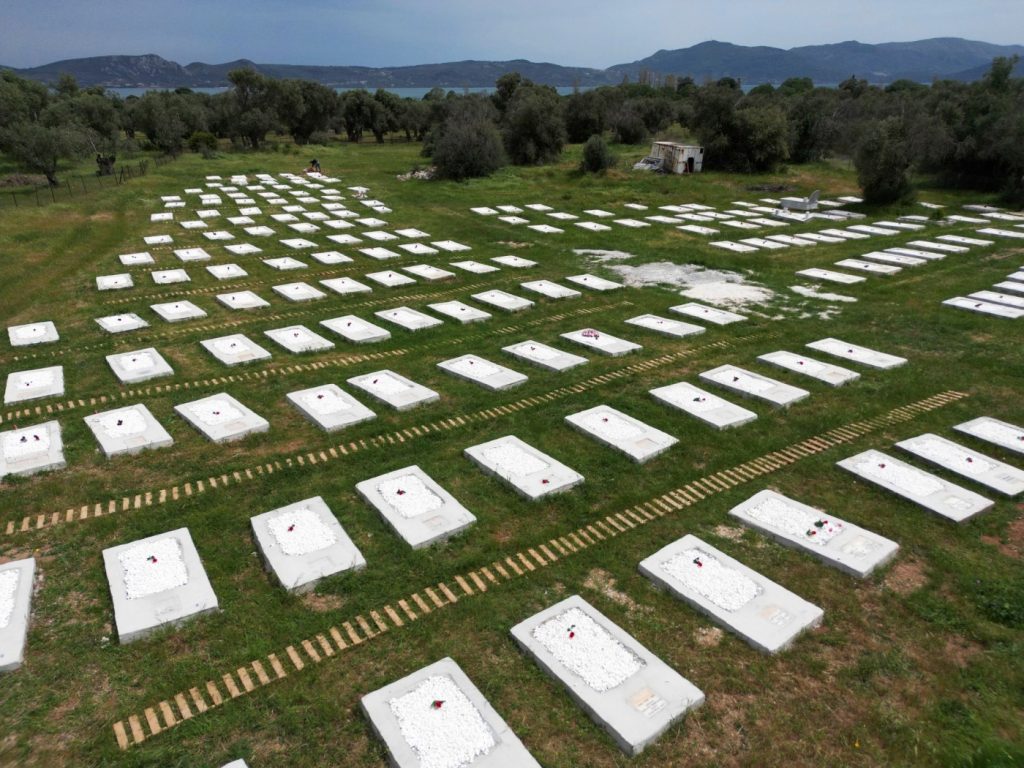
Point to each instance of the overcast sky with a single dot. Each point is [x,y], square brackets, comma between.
[593,33]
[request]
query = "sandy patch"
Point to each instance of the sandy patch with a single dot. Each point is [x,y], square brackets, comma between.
[813,293]
[906,577]
[719,287]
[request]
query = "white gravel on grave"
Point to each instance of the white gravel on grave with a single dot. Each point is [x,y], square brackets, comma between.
[743,381]
[537,352]
[512,461]
[588,650]
[143,361]
[153,567]
[612,427]
[795,521]
[727,588]
[212,412]
[409,496]
[325,402]
[8,588]
[19,444]
[451,735]
[476,369]
[300,532]
[997,433]
[907,478]
[123,422]
[385,384]
[946,454]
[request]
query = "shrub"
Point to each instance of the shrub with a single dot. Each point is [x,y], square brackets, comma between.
[628,125]
[597,158]
[202,140]
[534,128]
[467,144]
[882,162]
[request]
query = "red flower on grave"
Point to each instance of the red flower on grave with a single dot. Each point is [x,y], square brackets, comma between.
[697,562]
[437,704]
[881,466]
[152,558]
[400,492]
[291,527]
[545,481]
[970,460]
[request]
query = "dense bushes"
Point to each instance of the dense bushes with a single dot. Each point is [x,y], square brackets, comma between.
[467,143]
[597,158]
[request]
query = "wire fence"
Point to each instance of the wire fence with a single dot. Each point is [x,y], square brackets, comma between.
[71,186]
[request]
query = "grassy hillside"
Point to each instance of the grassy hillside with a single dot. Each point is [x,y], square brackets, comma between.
[920,664]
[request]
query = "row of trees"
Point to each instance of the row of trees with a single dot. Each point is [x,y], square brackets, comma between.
[964,134]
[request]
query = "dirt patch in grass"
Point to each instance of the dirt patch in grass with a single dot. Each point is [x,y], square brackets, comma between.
[708,637]
[961,651]
[601,581]
[1012,543]
[322,603]
[513,244]
[906,576]
[102,216]
[729,532]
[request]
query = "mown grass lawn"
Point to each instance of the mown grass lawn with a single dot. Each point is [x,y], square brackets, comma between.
[921,664]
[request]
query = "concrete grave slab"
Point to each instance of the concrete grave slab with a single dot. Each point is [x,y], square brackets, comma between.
[331,257]
[966,462]
[156,582]
[356,330]
[390,279]
[513,219]
[177,311]
[127,430]
[894,258]
[450,245]
[621,685]
[158,240]
[984,307]
[226,271]
[298,339]
[541,207]
[235,349]
[728,245]
[32,333]
[601,342]
[764,614]
[917,253]
[346,285]
[1001,433]
[598,213]
[998,298]
[459,311]
[666,326]
[114,282]
[298,243]
[698,230]
[379,235]
[550,289]
[302,543]
[418,249]
[284,263]
[168,216]
[639,441]
[116,324]
[136,259]
[831,276]
[755,385]
[593,226]
[140,365]
[344,239]
[220,234]
[920,487]
[419,510]
[330,407]
[34,384]
[944,247]
[394,389]
[29,450]
[243,249]
[869,266]
[475,267]
[594,283]
[222,418]
[845,234]
[529,472]
[503,300]
[709,314]
[381,254]
[299,292]
[516,262]
[412,233]
[429,273]
[304,228]
[242,300]
[709,408]
[838,543]
[170,276]
[192,254]
[792,240]
[408,318]
[17,580]
[869,229]
[832,375]
[544,356]
[857,353]
[760,242]
[259,231]
[1010,285]
[961,240]
[632,223]
[437,718]
[483,372]
[995,231]
[545,229]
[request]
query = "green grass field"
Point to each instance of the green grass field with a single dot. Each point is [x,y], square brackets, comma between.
[921,664]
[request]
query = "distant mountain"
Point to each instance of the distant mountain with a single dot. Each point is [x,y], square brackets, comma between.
[923,60]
